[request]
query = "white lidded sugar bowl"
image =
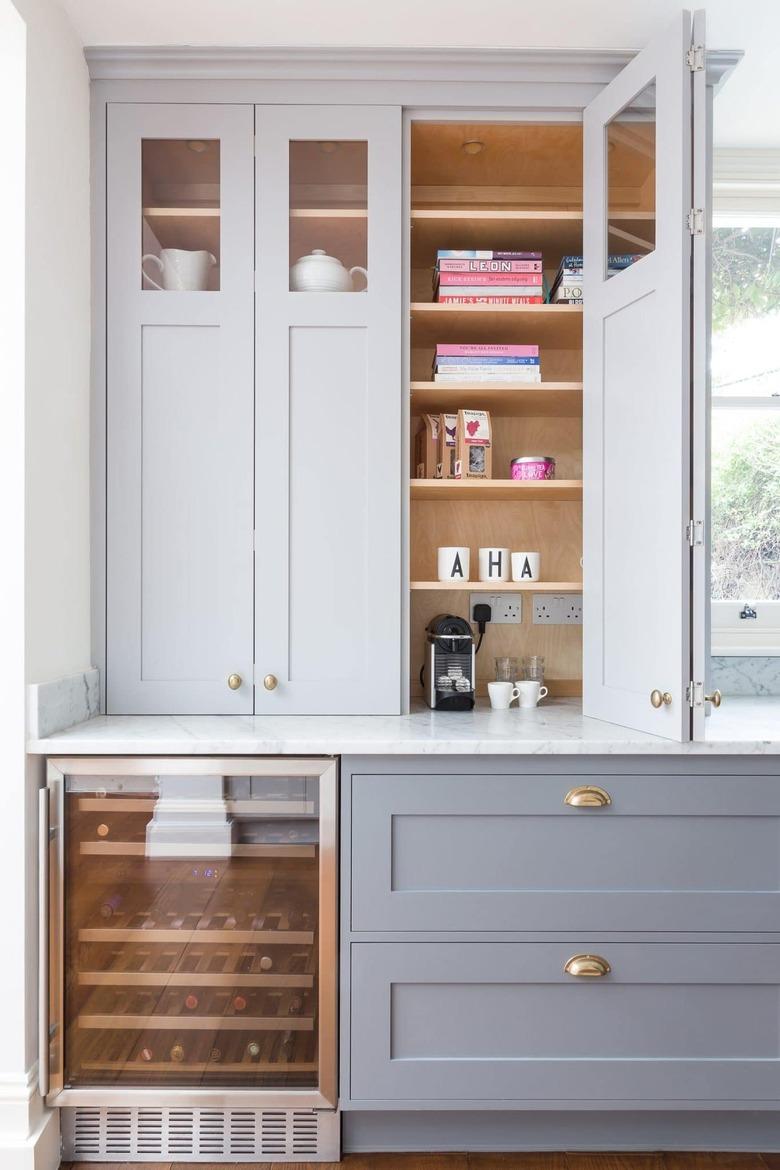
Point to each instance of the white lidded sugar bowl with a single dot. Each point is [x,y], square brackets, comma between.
[319,272]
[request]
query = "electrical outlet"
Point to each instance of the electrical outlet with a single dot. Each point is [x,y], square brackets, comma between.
[557,609]
[506,608]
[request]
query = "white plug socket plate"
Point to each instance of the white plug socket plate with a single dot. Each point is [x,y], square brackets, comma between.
[506,608]
[557,609]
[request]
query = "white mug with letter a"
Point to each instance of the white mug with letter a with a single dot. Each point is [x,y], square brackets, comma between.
[502,694]
[526,566]
[453,564]
[530,692]
[180,270]
[494,564]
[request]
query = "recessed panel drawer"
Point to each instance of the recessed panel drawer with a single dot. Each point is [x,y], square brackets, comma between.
[494,1024]
[471,853]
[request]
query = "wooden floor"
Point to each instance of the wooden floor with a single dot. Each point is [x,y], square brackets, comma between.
[560,1161]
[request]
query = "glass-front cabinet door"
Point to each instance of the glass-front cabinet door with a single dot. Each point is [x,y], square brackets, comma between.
[194,928]
[329,395]
[180,409]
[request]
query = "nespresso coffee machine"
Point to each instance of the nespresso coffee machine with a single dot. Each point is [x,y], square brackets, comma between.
[449,673]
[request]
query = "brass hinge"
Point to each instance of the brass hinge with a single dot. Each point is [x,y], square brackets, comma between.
[694,533]
[694,58]
[696,221]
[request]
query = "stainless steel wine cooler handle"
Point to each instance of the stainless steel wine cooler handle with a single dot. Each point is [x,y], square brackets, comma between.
[43,941]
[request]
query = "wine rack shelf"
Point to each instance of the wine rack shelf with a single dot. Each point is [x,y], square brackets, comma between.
[139,849]
[197,1068]
[190,979]
[183,937]
[118,1022]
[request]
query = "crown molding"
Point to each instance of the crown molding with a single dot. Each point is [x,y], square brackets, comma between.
[288,63]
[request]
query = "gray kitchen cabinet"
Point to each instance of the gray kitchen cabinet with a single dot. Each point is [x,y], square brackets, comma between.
[252,552]
[539,852]
[497,1024]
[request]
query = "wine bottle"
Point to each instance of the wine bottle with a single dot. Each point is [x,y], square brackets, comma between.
[191,1002]
[146,1055]
[253,1050]
[266,963]
[296,1006]
[215,1055]
[110,906]
[103,830]
[287,1050]
[239,1003]
[177,1053]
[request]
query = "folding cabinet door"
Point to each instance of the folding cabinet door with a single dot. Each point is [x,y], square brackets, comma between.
[637,366]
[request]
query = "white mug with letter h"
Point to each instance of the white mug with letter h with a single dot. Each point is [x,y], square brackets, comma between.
[530,692]
[494,564]
[453,564]
[180,270]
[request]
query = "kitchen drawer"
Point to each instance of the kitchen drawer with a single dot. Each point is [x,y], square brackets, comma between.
[490,852]
[493,1024]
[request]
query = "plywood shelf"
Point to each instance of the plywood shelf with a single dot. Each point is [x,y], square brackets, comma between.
[116,1021]
[516,400]
[139,849]
[191,979]
[499,586]
[190,212]
[554,233]
[521,491]
[557,326]
[183,937]
[328,213]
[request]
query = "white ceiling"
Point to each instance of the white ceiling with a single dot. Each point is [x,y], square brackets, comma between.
[746,111]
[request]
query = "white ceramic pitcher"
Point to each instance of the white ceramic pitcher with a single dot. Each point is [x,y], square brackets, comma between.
[180,270]
[319,272]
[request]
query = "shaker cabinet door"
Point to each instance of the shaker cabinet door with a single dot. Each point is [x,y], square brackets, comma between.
[328,418]
[637,367]
[180,408]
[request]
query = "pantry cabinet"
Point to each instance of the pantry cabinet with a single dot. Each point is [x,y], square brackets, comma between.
[266,542]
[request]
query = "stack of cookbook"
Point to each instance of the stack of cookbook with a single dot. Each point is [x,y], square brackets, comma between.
[486,363]
[480,277]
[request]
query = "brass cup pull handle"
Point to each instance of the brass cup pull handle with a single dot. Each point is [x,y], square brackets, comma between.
[660,698]
[716,698]
[587,796]
[270,682]
[587,966]
[234,681]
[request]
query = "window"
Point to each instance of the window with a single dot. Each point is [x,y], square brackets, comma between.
[746,437]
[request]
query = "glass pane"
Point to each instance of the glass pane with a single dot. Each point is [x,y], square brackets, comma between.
[745,312]
[181,214]
[630,144]
[191,940]
[328,216]
[746,504]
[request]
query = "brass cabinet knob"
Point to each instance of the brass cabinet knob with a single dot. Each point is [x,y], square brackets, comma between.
[234,681]
[716,698]
[587,796]
[587,966]
[660,699]
[270,682]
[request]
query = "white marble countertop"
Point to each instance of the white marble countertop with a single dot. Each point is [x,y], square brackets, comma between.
[742,726]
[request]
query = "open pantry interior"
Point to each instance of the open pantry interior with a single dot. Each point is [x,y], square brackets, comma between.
[508,188]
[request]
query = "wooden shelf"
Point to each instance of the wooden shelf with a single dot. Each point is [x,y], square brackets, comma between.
[184,937]
[191,212]
[554,233]
[499,586]
[116,1021]
[557,326]
[191,978]
[139,849]
[213,1068]
[521,491]
[328,213]
[516,400]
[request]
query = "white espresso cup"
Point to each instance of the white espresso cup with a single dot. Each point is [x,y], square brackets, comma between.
[180,270]
[530,692]
[494,564]
[526,566]
[453,564]
[502,694]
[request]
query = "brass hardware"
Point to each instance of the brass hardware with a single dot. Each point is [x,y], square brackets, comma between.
[234,681]
[716,698]
[587,796]
[587,966]
[660,699]
[270,682]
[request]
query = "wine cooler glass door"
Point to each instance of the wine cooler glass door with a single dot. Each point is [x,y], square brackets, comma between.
[198,933]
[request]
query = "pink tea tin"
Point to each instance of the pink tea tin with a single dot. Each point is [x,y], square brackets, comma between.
[533,467]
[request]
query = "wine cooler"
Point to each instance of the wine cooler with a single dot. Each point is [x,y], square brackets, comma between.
[189,961]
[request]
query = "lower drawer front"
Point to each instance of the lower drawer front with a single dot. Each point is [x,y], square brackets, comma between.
[486,1024]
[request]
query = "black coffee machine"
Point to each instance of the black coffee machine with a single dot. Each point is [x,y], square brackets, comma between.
[449,676]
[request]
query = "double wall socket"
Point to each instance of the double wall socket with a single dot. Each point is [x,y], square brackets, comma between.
[557,609]
[506,608]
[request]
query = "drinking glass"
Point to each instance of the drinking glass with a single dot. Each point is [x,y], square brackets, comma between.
[533,667]
[506,670]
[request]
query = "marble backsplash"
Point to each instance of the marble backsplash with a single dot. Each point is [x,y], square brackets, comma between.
[734,675]
[55,706]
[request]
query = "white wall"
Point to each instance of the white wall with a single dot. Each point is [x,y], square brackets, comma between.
[44,487]
[57,350]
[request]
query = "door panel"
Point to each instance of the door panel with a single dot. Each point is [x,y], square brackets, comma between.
[180,409]
[637,392]
[493,1025]
[328,490]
